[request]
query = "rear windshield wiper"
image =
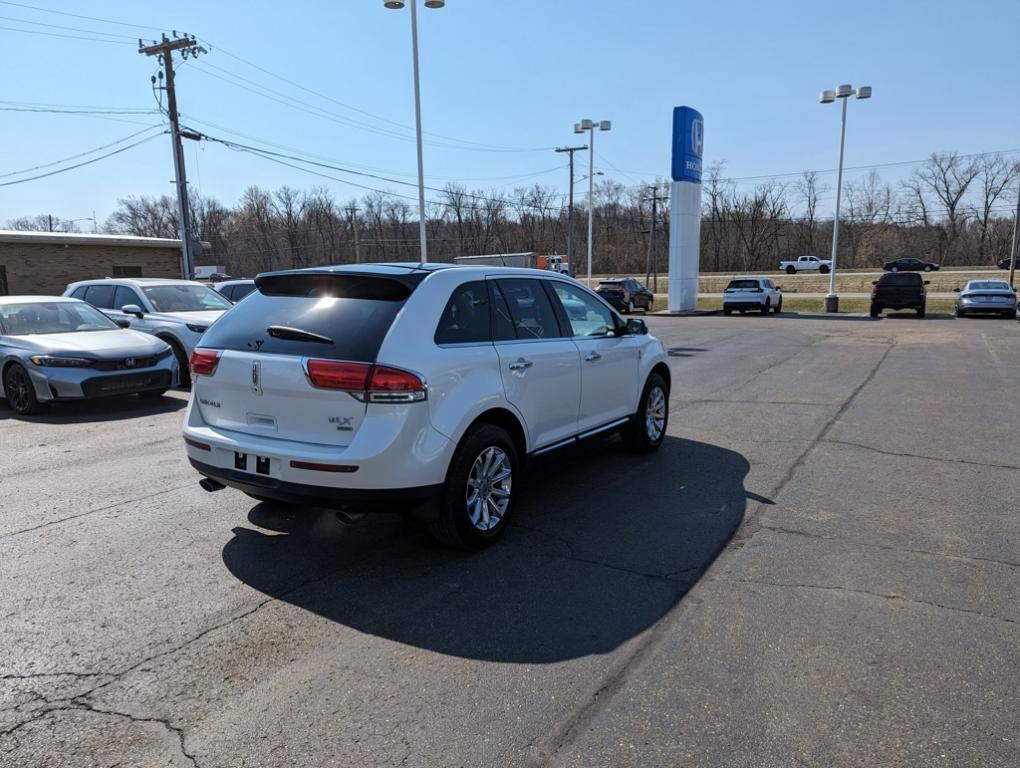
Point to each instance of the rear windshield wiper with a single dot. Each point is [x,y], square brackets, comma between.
[296,334]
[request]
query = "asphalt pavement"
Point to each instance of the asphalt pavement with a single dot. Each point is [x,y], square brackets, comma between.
[818,568]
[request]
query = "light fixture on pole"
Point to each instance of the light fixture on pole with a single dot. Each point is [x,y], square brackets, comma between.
[591,126]
[843,92]
[397,5]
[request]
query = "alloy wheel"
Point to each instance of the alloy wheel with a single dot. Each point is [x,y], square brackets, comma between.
[655,414]
[17,389]
[488,488]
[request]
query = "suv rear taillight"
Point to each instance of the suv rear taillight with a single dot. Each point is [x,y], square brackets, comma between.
[204,361]
[370,383]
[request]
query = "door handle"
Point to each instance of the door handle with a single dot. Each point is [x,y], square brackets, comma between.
[592,356]
[520,364]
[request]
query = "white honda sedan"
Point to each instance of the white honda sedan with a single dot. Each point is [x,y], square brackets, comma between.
[392,383]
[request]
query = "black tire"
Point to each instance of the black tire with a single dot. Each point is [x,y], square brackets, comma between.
[638,433]
[630,306]
[182,363]
[455,528]
[823,269]
[727,311]
[960,312]
[766,306]
[894,269]
[19,390]
[920,312]
[875,310]
[152,394]
[779,307]
[927,268]
[791,270]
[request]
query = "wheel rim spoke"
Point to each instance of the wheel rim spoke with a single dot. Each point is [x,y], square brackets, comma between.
[488,488]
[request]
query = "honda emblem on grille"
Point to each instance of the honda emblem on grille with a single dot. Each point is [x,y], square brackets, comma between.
[256,377]
[129,362]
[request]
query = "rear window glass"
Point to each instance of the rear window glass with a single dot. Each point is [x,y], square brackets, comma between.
[988,285]
[466,316]
[743,285]
[897,279]
[353,313]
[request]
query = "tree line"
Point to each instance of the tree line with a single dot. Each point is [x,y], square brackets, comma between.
[953,209]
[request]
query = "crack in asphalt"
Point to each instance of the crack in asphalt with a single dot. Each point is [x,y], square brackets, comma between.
[78,704]
[968,462]
[752,525]
[891,548]
[888,596]
[95,511]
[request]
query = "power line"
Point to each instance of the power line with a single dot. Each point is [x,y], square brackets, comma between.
[70,29]
[67,37]
[75,15]
[81,154]
[79,165]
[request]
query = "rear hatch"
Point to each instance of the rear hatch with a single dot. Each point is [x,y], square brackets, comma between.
[898,289]
[266,344]
[610,291]
[743,291]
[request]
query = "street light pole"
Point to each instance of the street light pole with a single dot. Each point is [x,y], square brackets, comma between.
[590,126]
[397,5]
[842,92]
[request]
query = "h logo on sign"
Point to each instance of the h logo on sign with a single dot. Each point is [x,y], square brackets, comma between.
[697,136]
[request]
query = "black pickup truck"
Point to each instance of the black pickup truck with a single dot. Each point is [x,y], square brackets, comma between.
[898,290]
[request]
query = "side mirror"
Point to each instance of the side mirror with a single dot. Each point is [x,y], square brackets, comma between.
[636,327]
[956,290]
[927,282]
[874,282]
[122,323]
[132,309]
[778,287]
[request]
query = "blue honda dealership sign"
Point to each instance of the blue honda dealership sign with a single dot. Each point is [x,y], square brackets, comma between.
[688,143]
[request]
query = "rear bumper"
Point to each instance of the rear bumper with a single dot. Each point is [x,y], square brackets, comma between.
[316,495]
[744,304]
[394,455]
[988,307]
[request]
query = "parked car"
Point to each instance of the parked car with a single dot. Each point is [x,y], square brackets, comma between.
[54,349]
[625,294]
[404,384]
[235,290]
[1005,263]
[986,296]
[896,290]
[806,264]
[752,293]
[910,264]
[176,311]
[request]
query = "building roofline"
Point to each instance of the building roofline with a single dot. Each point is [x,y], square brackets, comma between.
[9,236]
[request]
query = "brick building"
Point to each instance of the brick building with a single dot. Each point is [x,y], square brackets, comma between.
[45,262]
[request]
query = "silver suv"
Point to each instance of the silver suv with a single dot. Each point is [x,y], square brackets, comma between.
[176,311]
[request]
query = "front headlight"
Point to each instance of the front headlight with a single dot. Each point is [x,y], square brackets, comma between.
[164,354]
[197,328]
[62,362]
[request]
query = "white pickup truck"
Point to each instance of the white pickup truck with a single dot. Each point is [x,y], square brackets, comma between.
[806,264]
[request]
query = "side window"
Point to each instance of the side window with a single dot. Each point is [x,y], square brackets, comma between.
[125,296]
[228,292]
[587,315]
[79,292]
[502,322]
[530,310]
[240,291]
[100,296]
[466,317]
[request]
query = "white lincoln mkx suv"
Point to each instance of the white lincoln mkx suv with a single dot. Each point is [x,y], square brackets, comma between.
[390,384]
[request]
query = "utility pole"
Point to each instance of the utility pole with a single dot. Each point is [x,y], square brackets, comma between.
[651,269]
[1013,255]
[188,46]
[352,212]
[570,204]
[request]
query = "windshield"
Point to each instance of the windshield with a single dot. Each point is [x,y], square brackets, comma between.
[743,285]
[52,317]
[185,297]
[988,285]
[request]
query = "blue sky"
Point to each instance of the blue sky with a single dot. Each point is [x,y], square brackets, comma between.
[504,74]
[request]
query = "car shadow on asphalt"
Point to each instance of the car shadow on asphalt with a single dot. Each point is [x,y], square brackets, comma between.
[603,544]
[100,409]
